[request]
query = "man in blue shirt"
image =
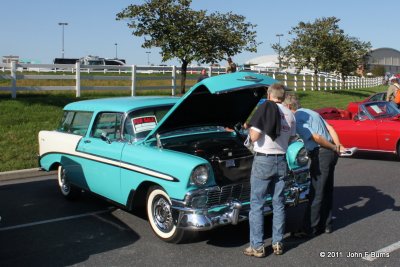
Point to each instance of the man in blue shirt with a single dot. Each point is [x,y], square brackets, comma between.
[323,146]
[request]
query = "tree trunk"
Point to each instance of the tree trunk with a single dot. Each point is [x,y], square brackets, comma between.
[343,81]
[315,85]
[183,76]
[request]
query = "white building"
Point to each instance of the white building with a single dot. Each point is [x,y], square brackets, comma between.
[268,62]
[389,58]
[271,63]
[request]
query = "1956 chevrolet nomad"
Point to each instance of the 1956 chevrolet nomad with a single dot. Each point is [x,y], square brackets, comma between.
[171,155]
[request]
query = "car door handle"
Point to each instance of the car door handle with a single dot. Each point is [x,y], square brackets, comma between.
[87,141]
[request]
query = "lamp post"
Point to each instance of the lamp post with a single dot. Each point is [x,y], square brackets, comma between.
[116,51]
[279,51]
[148,57]
[63,24]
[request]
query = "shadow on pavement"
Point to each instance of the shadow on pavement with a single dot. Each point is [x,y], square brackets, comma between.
[375,156]
[354,203]
[63,233]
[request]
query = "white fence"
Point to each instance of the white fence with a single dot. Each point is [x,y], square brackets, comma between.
[172,73]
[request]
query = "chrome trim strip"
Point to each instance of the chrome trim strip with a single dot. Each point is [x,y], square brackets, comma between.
[244,157]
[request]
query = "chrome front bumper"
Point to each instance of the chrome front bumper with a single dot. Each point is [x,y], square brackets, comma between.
[230,213]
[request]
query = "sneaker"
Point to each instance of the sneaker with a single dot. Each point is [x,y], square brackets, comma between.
[278,248]
[328,229]
[258,253]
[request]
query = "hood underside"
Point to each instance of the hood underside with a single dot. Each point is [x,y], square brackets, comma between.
[222,100]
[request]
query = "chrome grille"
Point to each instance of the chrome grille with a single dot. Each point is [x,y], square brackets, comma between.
[227,193]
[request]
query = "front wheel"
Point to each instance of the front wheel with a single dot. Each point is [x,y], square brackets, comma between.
[69,191]
[159,213]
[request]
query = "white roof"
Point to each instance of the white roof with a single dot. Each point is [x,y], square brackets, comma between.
[267,60]
[271,61]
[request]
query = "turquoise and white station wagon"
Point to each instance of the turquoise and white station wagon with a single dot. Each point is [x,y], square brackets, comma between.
[172,155]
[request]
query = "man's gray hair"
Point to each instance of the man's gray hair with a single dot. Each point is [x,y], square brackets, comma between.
[292,101]
[277,90]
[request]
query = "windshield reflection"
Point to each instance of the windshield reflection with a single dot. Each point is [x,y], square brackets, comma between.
[381,109]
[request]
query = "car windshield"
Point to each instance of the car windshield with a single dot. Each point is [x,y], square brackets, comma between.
[378,97]
[139,123]
[382,109]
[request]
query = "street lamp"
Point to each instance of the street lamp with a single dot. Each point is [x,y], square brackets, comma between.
[279,51]
[148,57]
[63,24]
[116,51]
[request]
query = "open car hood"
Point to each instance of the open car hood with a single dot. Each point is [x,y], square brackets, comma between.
[222,100]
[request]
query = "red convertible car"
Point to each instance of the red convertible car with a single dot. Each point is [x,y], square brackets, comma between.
[374,127]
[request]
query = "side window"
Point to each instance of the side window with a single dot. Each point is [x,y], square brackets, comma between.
[108,124]
[66,122]
[76,122]
[362,116]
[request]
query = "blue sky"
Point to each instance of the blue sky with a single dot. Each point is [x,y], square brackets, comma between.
[30,28]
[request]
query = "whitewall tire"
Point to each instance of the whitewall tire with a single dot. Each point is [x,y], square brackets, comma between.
[69,191]
[159,213]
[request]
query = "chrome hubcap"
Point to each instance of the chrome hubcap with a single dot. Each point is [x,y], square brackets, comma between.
[162,214]
[64,184]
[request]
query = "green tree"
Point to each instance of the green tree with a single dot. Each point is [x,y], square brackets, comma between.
[352,54]
[189,35]
[323,46]
[378,71]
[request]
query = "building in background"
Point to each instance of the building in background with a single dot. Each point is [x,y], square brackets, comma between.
[271,63]
[389,58]
[9,59]
[264,63]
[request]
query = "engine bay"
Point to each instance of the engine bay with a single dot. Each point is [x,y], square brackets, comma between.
[230,159]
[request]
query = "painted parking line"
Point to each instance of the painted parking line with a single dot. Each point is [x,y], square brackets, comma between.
[55,220]
[382,253]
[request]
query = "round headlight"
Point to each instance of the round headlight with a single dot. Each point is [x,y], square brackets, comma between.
[302,157]
[199,175]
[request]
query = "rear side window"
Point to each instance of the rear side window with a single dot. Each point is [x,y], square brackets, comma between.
[108,124]
[75,122]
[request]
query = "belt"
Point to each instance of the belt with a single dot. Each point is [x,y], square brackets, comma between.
[263,154]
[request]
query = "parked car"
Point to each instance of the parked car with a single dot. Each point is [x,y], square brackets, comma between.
[374,127]
[353,106]
[174,156]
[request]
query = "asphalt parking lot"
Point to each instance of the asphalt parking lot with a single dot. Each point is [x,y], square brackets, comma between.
[39,228]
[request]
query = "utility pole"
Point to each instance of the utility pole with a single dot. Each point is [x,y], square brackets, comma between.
[279,35]
[62,40]
[148,57]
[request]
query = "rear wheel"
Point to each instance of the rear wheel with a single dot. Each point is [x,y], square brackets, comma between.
[159,213]
[69,191]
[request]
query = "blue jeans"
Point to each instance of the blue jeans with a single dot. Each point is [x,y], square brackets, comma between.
[267,175]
